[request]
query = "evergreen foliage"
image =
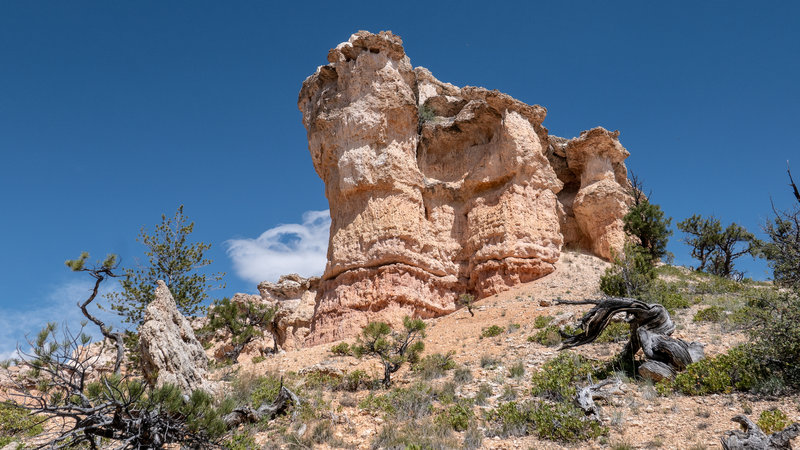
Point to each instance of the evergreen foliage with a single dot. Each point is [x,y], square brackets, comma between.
[782,249]
[115,407]
[172,257]
[717,249]
[392,348]
[243,321]
[646,222]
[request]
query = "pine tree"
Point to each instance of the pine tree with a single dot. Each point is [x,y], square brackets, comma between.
[173,258]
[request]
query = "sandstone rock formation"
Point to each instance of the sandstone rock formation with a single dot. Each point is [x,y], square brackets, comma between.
[170,351]
[436,190]
[295,297]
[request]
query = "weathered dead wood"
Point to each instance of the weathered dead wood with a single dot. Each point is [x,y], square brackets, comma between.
[651,327]
[586,396]
[791,183]
[753,438]
[247,414]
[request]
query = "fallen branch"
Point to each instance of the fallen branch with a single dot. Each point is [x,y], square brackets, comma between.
[247,414]
[753,438]
[586,396]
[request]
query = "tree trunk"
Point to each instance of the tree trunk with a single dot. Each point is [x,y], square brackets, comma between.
[650,326]
[753,438]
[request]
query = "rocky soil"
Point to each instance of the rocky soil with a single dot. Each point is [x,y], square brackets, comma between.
[638,417]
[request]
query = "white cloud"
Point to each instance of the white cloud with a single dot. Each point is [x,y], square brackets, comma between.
[291,248]
[60,306]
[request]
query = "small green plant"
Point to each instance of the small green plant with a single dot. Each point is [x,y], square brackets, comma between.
[414,402]
[484,392]
[561,422]
[542,321]
[424,434]
[342,349]
[667,295]
[735,370]
[615,332]
[393,349]
[492,331]
[462,375]
[513,327]
[265,390]
[557,378]
[710,314]
[457,416]
[426,114]
[508,393]
[467,301]
[548,336]
[435,365]
[240,441]
[352,381]
[517,370]
[259,359]
[773,420]
[16,422]
[489,361]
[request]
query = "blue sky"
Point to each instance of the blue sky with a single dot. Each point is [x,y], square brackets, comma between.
[112,113]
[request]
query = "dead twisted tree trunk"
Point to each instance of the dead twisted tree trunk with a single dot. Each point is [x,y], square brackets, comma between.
[651,328]
[753,438]
[248,414]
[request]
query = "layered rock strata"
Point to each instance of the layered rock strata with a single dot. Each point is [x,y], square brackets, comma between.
[436,190]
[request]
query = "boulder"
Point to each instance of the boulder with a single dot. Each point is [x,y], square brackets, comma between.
[171,354]
[436,190]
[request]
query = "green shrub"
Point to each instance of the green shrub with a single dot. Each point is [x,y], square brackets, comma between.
[735,370]
[630,274]
[484,392]
[435,365]
[426,114]
[561,422]
[776,337]
[489,362]
[352,381]
[551,335]
[548,336]
[342,349]
[240,441]
[414,402]
[615,332]
[508,393]
[467,300]
[665,294]
[457,416]
[415,435]
[773,420]
[556,379]
[710,314]
[266,390]
[259,359]
[492,331]
[392,348]
[17,422]
[517,370]
[542,321]
[462,375]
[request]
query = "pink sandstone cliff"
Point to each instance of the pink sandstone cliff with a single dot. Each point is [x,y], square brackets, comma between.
[436,190]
